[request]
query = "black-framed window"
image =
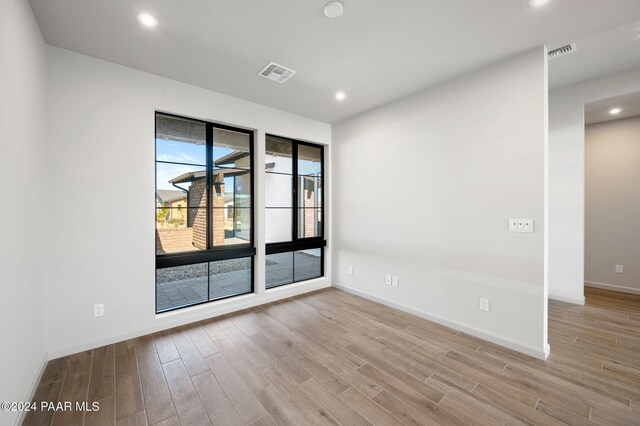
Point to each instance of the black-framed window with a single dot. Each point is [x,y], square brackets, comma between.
[204,212]
[294,211]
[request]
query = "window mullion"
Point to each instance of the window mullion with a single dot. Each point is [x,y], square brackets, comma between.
[209,183]
[209,197]
[294,184]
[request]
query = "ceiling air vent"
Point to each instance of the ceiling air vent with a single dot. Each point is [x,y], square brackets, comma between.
[276,72]
[562,51]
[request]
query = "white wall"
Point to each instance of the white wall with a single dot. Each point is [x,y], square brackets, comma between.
[612,219]
[278,221]
[101,140]
[566,178]
[24,211]
[425,188]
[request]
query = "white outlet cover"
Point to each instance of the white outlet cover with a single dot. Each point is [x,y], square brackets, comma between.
[350,269]
[520,225]
[98,310]
[619,269]
[484,304]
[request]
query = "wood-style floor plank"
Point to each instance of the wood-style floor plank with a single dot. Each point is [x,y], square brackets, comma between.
[368,409]
[75,388]
[238,392]
[44,393]
[279,408]
[129,400]
[215,401]
[102,373]
[339,410]
[55,370]
[105,416]
[185,398]
[157,398]
[331,358]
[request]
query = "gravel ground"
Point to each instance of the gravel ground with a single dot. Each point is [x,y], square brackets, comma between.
[200,270]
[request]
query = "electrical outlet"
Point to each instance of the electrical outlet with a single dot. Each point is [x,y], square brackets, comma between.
[619,269]
[521,225]
[387,280]
[350,269]
[98,310]
[394,281]
[484,304]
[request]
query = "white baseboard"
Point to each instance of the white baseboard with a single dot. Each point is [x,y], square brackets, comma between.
[493,338]
[567,299]
[32,389]
[612,287]
[198,314]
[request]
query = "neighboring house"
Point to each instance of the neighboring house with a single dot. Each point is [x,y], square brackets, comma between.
[231,202]
[171,198]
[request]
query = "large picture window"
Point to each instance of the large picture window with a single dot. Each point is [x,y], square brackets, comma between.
[204,212]
[294,211]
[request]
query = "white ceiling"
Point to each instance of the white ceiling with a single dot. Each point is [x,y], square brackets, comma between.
[598,111]
[609,51]
[376,52]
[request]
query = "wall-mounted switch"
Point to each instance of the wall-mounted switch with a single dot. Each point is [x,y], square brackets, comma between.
[394,281]
[387,280]
[350,270]
[619,269]
[484,304]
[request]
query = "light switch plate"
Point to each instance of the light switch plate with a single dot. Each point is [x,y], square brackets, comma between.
[394,281]
[619,269]
[387,280]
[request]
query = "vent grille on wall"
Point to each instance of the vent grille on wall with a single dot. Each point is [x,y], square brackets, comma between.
[276,72]
[562,51]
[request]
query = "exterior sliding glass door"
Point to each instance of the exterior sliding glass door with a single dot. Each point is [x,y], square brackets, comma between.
[294,198]
[204,212]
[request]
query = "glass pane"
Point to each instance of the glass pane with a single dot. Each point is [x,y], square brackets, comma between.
[309,191]
[190,186]
[229,278]
[231,226]
[179,230]
[278,155]
[231,189]
[308,264]
[309,223]
[181,286]
[231,149]
[278,225]
[309,160]
[278,190]
[180,140]
[279,269]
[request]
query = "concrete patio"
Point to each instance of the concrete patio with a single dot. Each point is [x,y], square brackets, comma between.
[187,285]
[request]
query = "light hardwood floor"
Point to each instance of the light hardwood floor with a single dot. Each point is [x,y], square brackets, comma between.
[333,358]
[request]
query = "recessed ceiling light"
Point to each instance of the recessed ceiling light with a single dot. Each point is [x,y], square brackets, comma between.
[333,9]
[537,3]
[147,20]
[340,96]
[615,111]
